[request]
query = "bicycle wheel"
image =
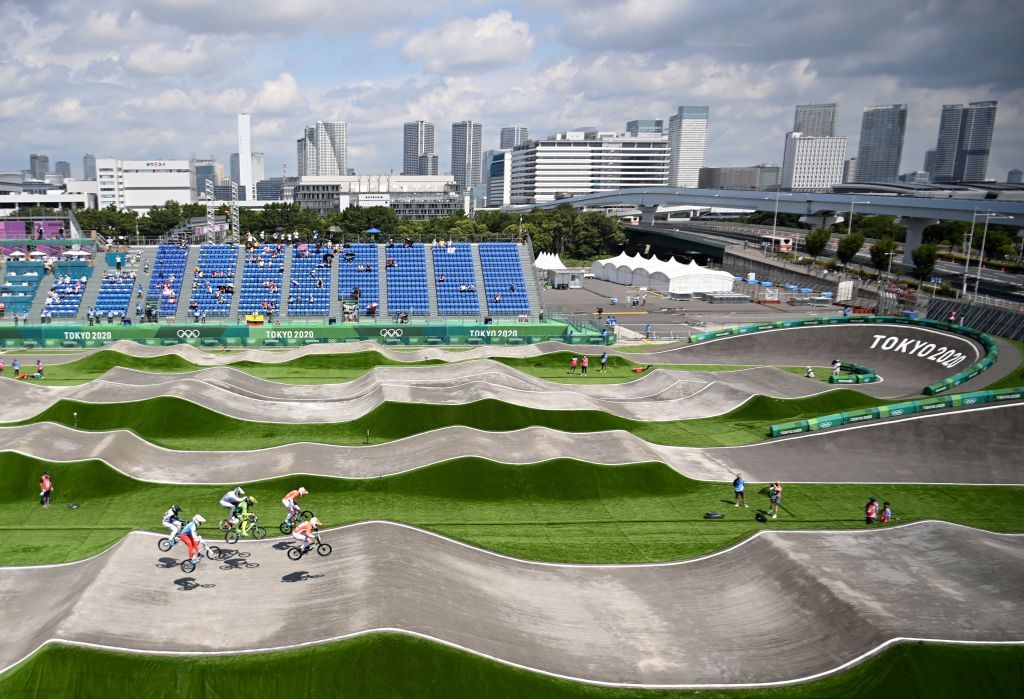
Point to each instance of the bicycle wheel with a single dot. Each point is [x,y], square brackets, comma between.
[324,549]
[213,553]
[187,566]
[306,515]
[164,544]
[259,532]
[285,528]
[231,537]
[295,553]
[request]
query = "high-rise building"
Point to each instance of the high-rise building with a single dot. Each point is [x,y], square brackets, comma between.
[965,139]
[881,143]
[812,163]
[817,120]
[39,166]
[234,170]
[427,164]
[257,167]
[499,178]
[89,166]
[643,127]
[63,169]
[1013,176]
[323,150]
[207,171]
[467,138]
[688,144]
[758,177]
[512,136]
[245,178]
[583,162]
[929,161]
[849,170]
[418,140]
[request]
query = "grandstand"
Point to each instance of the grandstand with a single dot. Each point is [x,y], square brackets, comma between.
[261,279]
[213,283]
[309,290]
[455,280]
[406,269]
[115,293]
[168,272]
[359,268]
[504,283]
[65,295]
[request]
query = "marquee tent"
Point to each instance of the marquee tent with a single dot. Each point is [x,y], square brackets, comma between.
[671,275]
[547,260]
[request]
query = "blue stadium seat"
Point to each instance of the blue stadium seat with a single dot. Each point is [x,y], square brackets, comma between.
[504,284]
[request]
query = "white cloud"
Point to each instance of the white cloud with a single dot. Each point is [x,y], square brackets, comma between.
[277,96]
[165,59]
[468,44]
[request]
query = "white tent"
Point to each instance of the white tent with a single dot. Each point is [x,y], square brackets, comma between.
[671,275]
[547,260]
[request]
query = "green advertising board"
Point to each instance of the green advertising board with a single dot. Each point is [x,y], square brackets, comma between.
[57,336]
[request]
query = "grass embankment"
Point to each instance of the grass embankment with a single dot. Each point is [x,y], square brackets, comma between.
[560,510]
[178,424]
[339,368]
[395,665]
[1015,378]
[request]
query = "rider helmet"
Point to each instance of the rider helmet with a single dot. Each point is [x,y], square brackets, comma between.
[198,519]
[303,491]
[251,500]
[175,509]
[315,522]
[239,492]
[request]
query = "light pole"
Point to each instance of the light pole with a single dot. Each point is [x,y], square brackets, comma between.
[888,273]
[849,227]
[981,250]
[967,261]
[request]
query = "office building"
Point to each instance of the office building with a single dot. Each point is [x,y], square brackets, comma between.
[812,163]
[234,171]
[270,190]
[223,192]
[583,162]
[849,170]
[257,167]
[499,178]
[929,161]
[757,177]
[427,165]
[1013,176]
[512,136]
[323,150]
[965,139]
[63,169]
[817,120]
[414,198]
[418,140]
[89,166]
[39,166]
[881,143]
[688,145]
[207,171]
[245,178]
[467,138]
[643,127]
[915,177]
[139,185]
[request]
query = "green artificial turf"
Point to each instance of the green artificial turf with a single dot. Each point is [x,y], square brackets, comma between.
[560,510]
[338,368]
[1015,378]
[395,665]
[178,424]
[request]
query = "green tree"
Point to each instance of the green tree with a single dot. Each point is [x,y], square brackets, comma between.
[924,260]
[849,245]
[816,242]
[880,253]
[946,233]
[767,218]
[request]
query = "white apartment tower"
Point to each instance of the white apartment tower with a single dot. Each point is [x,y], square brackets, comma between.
[467,138]
[581,162]
[323,149]
[245,156]
[512,136]
[418,140]
[688,144]
[812,163]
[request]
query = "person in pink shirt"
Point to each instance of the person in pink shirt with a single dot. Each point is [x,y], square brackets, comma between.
[871,511]
[572,364]
[583,365]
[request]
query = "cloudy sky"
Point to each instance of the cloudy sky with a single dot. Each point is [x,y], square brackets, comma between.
[164,78]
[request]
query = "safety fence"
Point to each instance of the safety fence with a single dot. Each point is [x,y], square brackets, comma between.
[989,345]
[924,405]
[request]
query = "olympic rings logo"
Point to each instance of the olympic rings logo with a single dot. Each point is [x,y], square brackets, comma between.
[391,332]
[188,334]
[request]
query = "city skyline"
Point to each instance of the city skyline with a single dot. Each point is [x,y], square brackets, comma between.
[441,65]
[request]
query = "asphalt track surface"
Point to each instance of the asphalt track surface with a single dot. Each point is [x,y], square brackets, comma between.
[779,607]
[932,448]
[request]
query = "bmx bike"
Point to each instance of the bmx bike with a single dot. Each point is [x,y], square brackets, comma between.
[289,522]
[205,551]
[297,552]
[247,527]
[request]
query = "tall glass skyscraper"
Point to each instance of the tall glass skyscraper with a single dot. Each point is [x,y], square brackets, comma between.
[965,139]
[688,145]
[816,119]
[89,166]
[643,127]
[467,138]
[418,141]
[512,136]
[881,143]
